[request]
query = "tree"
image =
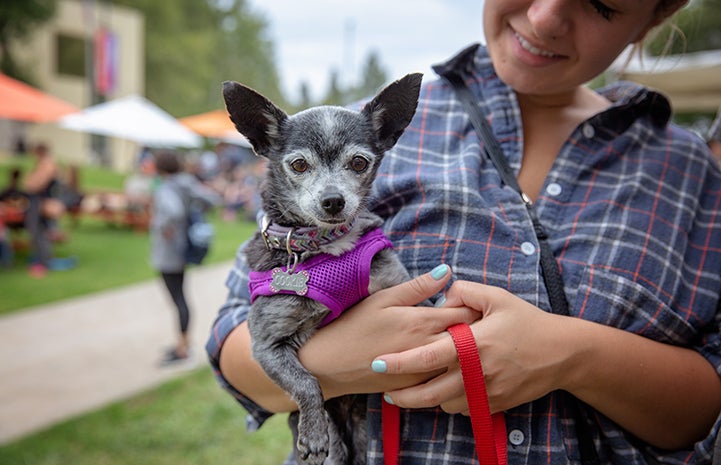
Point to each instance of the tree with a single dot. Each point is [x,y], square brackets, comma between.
[193,46]
[17,19]
[245,53]
[373,77]
[305,99]
[334,95]
[700,27]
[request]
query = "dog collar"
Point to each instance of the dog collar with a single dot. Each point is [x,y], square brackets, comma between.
[302,239]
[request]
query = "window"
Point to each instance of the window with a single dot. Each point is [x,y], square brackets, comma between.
[70,54]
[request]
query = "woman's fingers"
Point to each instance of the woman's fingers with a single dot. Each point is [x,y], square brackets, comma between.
[437,355]
[414,291]
[445,390]
[391,320]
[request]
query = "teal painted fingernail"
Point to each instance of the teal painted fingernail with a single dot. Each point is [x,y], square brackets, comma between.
[379,366]
[440,302]
[439,272]
[388,399]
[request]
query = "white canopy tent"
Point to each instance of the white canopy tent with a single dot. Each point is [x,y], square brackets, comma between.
[692,81]
[133,118]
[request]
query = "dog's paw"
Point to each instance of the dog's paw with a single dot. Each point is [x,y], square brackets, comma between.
[313,452]
[313,441]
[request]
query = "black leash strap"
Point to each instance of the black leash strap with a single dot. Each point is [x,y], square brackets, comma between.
[549,265]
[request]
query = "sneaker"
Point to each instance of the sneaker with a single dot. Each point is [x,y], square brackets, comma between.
[37,270]
[173,358]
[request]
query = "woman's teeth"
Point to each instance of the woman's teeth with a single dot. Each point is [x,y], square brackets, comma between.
[526,45]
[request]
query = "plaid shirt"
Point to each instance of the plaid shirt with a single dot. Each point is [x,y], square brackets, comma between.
[632,206]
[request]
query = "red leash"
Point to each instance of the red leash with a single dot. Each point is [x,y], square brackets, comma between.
[489,431]
[391,417]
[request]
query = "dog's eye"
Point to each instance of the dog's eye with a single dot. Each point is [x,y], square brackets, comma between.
[358,164]
[299,165]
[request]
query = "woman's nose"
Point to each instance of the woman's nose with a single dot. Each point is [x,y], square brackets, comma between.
[550,19]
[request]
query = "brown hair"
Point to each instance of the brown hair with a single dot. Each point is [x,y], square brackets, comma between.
[42,149]
[167,163]
[666,8]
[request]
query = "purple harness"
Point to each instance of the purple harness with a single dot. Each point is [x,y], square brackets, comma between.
[336,282]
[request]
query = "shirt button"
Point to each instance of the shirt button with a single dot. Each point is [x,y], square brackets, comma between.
[516,437]
[554,189]
[528,248]
[588,131]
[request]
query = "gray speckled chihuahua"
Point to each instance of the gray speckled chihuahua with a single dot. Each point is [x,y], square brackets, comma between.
[319,249]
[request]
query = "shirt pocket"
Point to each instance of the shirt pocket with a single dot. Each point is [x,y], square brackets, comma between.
[616,301]
[421,427]
[421,254]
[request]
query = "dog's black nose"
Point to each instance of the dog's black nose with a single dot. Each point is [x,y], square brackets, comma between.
[332,203]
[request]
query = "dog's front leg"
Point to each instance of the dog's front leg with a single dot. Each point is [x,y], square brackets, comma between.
[278,326]
[282,365]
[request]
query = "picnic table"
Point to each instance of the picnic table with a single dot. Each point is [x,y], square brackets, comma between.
[118,208]
[12,214]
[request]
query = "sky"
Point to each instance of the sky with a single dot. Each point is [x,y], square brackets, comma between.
[313,37]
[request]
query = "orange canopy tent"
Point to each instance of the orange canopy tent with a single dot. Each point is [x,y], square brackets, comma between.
[21,102]
[214,124]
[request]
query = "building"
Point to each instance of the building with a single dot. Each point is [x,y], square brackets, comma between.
[91,51]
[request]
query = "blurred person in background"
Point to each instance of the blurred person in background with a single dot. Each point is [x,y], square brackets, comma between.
[176,191]
[11,191]
[140,185]
[208,165]
[7,254]
[13,205]
[242,191]
[43,212]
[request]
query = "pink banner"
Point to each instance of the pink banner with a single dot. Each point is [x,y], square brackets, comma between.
[106,59]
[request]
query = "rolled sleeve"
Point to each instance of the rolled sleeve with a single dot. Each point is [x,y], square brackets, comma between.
[233,313]
[710,348]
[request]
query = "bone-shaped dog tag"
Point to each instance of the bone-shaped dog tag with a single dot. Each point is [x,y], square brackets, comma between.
[286,281]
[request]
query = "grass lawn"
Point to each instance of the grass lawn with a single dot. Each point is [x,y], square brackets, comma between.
[183,422]
[108,257]
[189,420]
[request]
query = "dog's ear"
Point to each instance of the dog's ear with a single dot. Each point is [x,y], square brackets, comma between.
[254,116]
[393,108]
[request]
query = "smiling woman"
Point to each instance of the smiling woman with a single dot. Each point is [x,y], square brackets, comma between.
[616,361]
[560,37]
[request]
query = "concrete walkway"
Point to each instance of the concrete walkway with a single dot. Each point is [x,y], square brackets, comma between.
[65,359]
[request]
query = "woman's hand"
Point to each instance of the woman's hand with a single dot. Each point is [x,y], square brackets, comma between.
[665,395]
[519,345]
[339,354]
